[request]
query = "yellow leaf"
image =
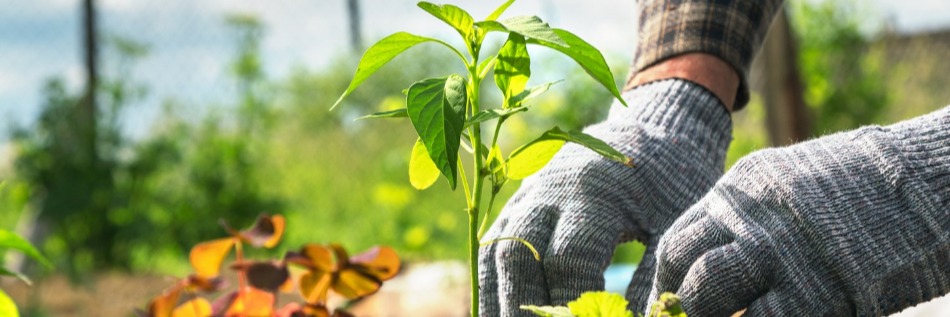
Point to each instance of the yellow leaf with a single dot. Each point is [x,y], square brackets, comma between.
[530,158]
[252,302]
[352,284]
[206,257]
[422,171]
[198,307]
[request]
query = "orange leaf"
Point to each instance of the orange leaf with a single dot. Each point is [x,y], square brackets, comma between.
[380,262]
[198,307]
[278,221]
[163,305]
[266,231]
[206,257]
[352,284]
[251,302]
[319,256]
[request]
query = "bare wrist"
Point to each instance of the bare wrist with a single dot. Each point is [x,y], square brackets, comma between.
[706,70]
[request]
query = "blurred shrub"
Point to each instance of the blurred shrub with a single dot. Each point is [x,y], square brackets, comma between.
[844,81]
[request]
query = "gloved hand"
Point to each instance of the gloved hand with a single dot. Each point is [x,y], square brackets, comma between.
[852,224]
[578,208]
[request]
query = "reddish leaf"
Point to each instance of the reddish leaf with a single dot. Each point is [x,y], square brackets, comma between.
[206,257]
[266,232]
[267,276]
[380,262]
[198,307]
[312,256]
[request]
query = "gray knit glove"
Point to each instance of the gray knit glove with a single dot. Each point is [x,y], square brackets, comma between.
[855,223]
[578,208]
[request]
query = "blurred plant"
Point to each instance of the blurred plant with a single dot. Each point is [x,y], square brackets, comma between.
[843,76]
[323,268]
[447,109]
[11,241]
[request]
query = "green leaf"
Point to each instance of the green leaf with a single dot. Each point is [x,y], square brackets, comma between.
[531,157]
[9,240]
[490,26]
[422,171]
[454,16]
[436,107]
[530,93]
[398,113]
[4,271]
[7,306]
[513,67]
[586,55]
[489,114]
[501,9]
[381,53]
[549,311]
[600,304]
[533,28]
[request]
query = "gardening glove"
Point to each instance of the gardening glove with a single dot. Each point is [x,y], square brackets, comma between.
[852,224]
[579,207]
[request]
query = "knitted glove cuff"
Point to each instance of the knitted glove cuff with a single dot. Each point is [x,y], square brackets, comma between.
[679,108]
[925,145]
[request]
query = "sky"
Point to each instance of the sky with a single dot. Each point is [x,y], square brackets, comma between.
[190,44]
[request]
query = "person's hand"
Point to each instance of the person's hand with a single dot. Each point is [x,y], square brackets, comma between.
[852,224]
[578,208]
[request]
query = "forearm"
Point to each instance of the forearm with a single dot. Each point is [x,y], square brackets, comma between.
[731,31]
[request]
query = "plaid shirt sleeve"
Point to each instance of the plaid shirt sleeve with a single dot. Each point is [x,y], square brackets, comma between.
[730,29]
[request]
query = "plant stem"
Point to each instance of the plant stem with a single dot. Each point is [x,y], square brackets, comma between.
[239,256]
[495,189]
[476,138]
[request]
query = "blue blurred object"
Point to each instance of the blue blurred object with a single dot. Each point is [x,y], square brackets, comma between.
[617,277]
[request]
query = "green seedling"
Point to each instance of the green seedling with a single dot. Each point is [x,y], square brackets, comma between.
[448,116]
[319,269]
[604,304]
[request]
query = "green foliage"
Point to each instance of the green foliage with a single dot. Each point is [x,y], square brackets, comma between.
[844,81]
[438,107]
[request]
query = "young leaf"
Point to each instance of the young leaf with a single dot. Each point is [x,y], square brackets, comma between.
[381,53]
[496,166]
[7,306]
[533,28]
[600,304]
[530,158]
[490,26]
[206,257]
[398,113]
[586,55]
[549,311]
[513,67]
[9,240]
[668,305]
[454,16]
[494,113]
[422,171]
[530,93]
[436,107]
[501,9]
